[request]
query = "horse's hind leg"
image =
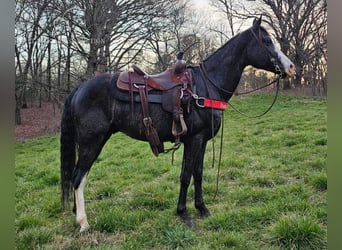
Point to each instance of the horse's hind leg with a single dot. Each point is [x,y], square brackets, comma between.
[81,217]
[88,152]
[185,178]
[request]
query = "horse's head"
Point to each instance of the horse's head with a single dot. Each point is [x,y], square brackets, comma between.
[264,54]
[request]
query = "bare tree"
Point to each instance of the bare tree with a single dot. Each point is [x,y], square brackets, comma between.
[164,39]
[111,32]
[30,25]
[231,10]
[60,41]
[300,27]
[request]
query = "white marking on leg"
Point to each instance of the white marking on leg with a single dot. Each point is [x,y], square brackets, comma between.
[81,216]
[286,62]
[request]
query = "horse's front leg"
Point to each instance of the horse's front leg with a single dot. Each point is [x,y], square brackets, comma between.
[198,173]
[192,165]
[185,178]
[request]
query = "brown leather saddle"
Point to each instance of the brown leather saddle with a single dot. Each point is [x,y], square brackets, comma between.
[171,84]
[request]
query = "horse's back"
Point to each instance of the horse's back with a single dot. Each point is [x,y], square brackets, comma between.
[91,105]
[93,91]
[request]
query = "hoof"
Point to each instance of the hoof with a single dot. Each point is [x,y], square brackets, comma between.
[186,218]
[83,222]
[205,213]
[84,228]
[203,210]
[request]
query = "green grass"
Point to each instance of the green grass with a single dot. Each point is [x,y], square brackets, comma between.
[298,232]
[272,188]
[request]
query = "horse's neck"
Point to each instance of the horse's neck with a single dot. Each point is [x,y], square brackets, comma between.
[226,65]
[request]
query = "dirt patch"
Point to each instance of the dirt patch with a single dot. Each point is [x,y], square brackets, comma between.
[38,121]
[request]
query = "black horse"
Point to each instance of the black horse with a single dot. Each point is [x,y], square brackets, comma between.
[92,114]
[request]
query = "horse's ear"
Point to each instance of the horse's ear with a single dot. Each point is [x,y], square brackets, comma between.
[257,21]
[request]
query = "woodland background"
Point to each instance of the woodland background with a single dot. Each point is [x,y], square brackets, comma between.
[273,181]
[59,43]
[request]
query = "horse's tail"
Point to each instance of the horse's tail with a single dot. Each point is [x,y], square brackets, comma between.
[67,150]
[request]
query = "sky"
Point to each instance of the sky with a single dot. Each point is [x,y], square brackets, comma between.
[200,3]
[202,7]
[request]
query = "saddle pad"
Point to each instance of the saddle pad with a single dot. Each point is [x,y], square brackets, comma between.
[151,98]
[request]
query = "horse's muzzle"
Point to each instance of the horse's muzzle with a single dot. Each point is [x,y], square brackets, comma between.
[291,70]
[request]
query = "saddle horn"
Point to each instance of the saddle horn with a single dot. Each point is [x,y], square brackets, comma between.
[180,65]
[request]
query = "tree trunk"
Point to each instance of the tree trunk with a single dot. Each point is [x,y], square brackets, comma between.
[59,71]
[49,70]
[286,84]
[68,61]
[17,111]
[92,61]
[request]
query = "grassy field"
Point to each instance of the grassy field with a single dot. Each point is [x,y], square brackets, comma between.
[272,188]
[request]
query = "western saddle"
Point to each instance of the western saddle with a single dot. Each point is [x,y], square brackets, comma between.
[170,86]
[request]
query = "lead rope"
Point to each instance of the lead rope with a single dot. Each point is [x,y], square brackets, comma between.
[222,128]
[220,159]
[268,109]
[213,136]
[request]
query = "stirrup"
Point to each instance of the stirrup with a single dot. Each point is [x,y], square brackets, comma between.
[183,127]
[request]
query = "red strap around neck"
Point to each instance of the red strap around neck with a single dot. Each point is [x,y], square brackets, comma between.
[209,103]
